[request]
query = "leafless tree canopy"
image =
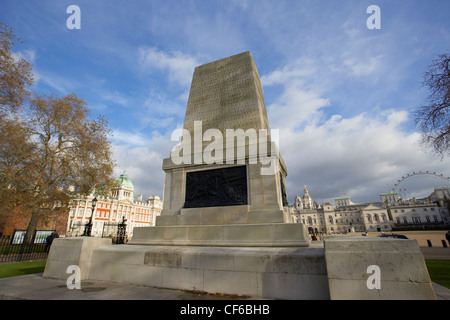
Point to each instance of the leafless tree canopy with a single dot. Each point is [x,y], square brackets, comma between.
[433,119]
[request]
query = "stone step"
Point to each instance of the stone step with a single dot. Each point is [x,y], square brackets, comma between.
[250,235]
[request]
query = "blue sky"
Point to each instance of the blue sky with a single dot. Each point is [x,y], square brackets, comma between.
[339,93]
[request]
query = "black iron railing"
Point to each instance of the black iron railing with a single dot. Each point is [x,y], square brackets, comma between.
[14,248]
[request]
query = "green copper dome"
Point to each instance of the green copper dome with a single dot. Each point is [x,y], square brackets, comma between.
[124,181]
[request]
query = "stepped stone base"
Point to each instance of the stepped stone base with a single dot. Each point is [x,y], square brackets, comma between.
[77,251]
[401,270]
[337,270]
[273,273]
[243,235]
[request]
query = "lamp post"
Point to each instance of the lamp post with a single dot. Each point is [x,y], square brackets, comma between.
[88,226]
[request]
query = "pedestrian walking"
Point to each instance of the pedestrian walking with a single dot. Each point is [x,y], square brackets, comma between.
[50,239]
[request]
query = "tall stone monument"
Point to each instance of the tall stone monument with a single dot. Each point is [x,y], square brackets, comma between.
[225,181]
[222,228]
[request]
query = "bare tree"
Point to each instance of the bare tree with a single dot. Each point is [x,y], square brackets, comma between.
[433,119]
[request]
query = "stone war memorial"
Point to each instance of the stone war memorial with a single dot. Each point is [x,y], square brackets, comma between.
[223,228]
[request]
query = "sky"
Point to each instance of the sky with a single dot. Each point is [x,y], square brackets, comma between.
[340,93]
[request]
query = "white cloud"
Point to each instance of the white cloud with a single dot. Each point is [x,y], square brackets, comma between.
[113,96]
[129,138]
[180,66]
[141,158]
[61,84]
[357,155]
[363,67]
[335,154]
[29,55]
[293,71]
[300,100]
[295,107]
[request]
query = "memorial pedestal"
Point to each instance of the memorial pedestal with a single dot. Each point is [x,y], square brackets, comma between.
[270,273]
[239,235]
[222,226]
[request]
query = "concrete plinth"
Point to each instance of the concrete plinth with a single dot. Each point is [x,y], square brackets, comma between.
[72,251]
[361,268]
[273,273]
[243,235]
[343,269]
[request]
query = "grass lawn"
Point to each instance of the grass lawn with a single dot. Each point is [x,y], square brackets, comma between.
[439,271]
[21,268]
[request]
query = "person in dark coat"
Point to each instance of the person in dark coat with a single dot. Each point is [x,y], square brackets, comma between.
[49,239]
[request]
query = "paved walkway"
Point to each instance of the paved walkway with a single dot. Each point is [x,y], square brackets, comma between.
[442,293]
[435,253]
[35,287]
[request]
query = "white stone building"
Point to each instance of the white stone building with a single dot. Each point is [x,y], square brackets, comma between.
[440,194]
[419,214]
[112,210]
[429,212]
[344,217]
[391,213]
[389,198]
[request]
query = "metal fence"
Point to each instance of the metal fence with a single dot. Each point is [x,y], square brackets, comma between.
[14,249]
[116,231]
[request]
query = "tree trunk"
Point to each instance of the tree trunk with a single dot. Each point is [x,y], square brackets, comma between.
[32,225]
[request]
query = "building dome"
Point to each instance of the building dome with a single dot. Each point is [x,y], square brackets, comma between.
[125,181]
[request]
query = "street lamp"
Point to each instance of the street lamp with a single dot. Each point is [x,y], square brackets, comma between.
[88,227]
